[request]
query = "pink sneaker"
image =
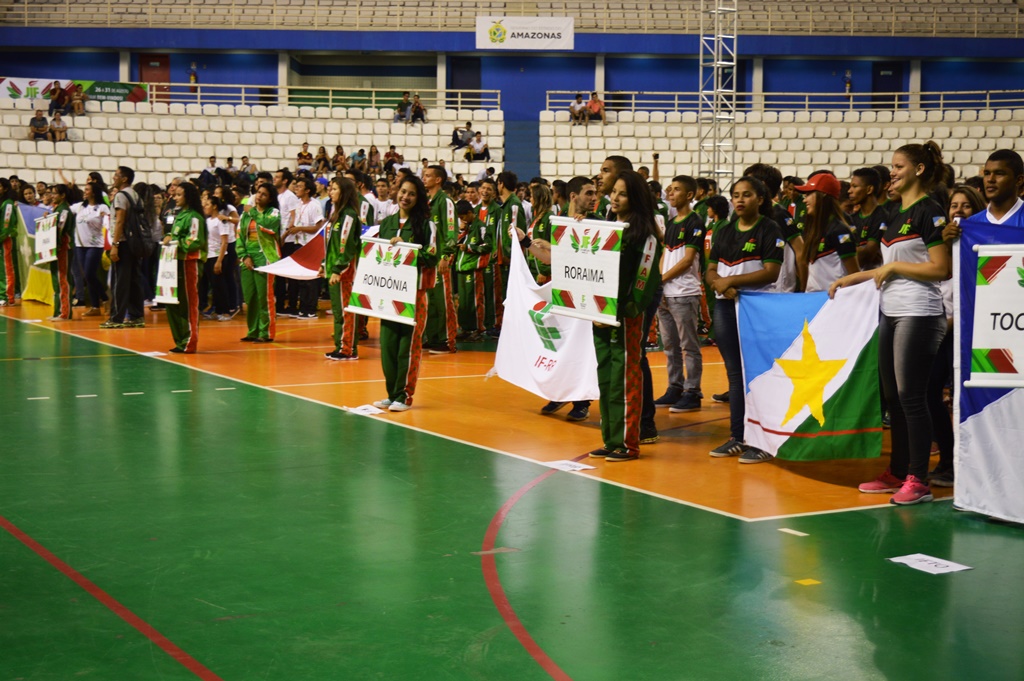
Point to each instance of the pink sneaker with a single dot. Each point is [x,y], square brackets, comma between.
[886,483]
[913,492]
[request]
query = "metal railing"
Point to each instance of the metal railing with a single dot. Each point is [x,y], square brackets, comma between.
[947,19]
[559,100]
[301,96]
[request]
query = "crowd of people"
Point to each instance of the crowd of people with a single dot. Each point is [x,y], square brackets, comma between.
[892,225]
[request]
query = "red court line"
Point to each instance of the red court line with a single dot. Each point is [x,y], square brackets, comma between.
[106,599]
[822,433]
[498,595]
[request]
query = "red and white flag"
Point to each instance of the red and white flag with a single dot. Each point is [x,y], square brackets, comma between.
[303,264]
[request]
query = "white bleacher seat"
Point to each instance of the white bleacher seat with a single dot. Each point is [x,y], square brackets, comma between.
[885,116]
[355,113]
[968,116]
[612,144]
[547,116]
[778,144]
[918,116]
[752,117]
[562,117]
[321,112]
[657,117]
[108,107]
[986,115]
[852,116]
[834,117]
[769,117]
[641,117]
[642,130]
[819,117]
[548,156]
[848,144]
[548,170]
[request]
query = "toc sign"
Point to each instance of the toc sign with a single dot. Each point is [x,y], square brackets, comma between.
[997,353]
[585,268]
[525,33]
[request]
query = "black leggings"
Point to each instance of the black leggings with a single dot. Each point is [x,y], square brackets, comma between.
[942,423]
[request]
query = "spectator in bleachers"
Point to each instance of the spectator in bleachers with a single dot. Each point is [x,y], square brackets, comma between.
[374,164]
[58,128]
[339,161]
[304,159]
[485,174]
[403,110]
[392,158]
[578,111]
[424,165]
[419,111]
[59,99]
[321,164]
[208,176]
[478,149]
[461,136]
[78,98]
[248,169]
[595,109]
[39,127]
[230,168]
[357,161]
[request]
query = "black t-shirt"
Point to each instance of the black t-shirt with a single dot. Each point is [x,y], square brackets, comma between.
[738,252]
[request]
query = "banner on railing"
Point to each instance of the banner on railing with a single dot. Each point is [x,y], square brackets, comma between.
[98,90]
[525,33]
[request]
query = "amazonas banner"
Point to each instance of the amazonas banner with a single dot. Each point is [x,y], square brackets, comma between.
[810,371]
[549,355]
[585,268]
[988,366]
[386,278]
[525,33]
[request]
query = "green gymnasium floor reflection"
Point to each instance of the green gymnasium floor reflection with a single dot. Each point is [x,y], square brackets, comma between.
[274,538]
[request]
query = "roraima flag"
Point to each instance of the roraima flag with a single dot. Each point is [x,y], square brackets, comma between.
[585,268]
[549,355]
[810,371]
[386,278]
[525,33]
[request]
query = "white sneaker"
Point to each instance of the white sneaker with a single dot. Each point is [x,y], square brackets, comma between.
[399,406]
[382,404]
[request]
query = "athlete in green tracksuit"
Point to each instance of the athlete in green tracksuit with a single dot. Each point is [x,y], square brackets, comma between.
[189,233]
[65,223]
[513,217]
[490,214]
[540,228]
[343,232]
[257,244]
[620,349]
[8,245]
[401,344]
[474,256]
[442,322]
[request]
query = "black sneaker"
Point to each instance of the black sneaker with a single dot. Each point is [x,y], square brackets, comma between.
[552,407]
[648,435]
[598,453]
[668,399]
[939,478]
[723,398]
[755,455]
[620,455]
[688,402]
[249,339]
[336,356]
[730,448]
[579,413]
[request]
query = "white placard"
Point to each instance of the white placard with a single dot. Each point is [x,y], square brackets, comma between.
[997,354]
[365,410]
[386,281]
[525,33]
[930,564]
[46,239]
[585,268]
[167,275]
[568,466]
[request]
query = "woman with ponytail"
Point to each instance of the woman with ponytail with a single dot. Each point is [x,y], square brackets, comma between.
[912,322]
[831,250]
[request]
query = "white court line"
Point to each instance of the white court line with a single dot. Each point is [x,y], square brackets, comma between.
[181,391]
[793,532]
[86,395]
[224,388]
[133,393]
[460,441]
[375,380]
[38,398]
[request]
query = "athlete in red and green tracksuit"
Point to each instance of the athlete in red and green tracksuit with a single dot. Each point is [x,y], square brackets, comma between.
[258,244]
[512,216]
[65,225]
[402,344]
[620,349]
[342,255]
[540,228]
[442,321]
[473,258]
[490,215]
[8,246]
[189,232]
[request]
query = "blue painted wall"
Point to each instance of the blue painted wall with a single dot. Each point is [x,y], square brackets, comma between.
[651,74]
[219,68]
[524,80]
[815,75]
[52,64]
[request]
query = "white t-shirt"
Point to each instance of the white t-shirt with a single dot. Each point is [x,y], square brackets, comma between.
[230,210]
[89,221]
[215,229]
[306,215]
[287,202]
[478,145]
[576,107]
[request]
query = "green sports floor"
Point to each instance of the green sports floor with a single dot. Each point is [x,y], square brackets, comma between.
[162,523]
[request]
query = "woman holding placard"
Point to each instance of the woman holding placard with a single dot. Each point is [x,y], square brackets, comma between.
[189,231]
[258,244]
[620,349]
[401,344]
[341,256]
[65,226]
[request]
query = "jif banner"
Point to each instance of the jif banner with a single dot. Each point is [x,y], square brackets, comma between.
[525,33]
[385,284]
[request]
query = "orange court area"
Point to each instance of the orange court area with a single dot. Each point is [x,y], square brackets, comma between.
[455,399]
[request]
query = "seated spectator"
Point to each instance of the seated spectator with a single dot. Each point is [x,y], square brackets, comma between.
[321,164]
[595,109]
[578,110]
[229,167]
[39,127]
[339,161]
[461,136]
[392,158]
[419,111]
[373,161]
[208,176]
[426,164]
[485,174]
[59,99]
[247,170]
[357,161]
[58,128]
[403,110]
[478,150]
[304,160]
[78,98]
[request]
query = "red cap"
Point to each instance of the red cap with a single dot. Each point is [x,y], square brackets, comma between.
[826,183]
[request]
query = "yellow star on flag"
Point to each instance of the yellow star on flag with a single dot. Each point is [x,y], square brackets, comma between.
[810,375]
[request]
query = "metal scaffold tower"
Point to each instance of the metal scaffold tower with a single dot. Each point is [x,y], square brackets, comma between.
[716,107]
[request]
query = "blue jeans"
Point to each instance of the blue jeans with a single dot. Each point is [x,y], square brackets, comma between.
[88,260]
[727,336]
